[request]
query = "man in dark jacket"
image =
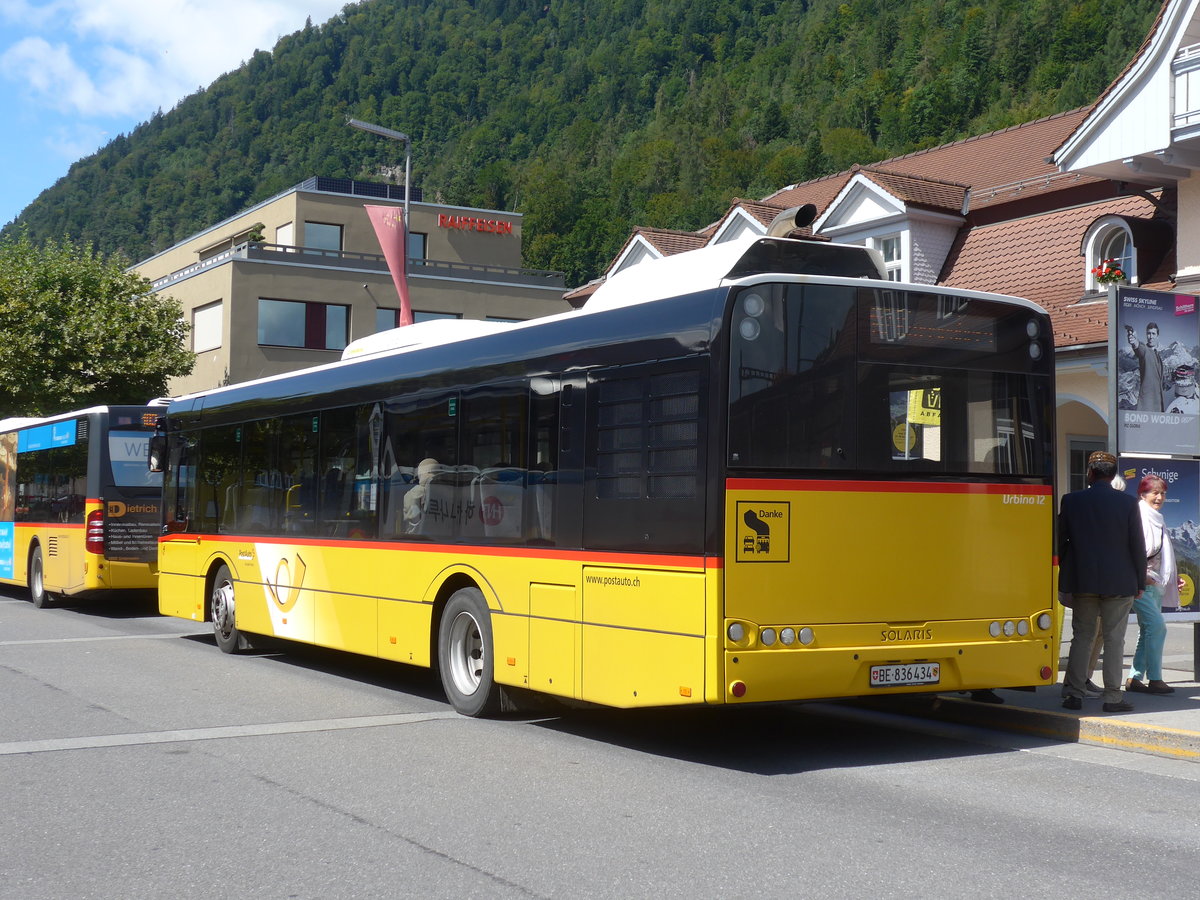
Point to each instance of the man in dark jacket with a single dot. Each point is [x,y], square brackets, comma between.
[1102,566]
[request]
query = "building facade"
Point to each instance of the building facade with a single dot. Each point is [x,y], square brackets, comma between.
[289,282]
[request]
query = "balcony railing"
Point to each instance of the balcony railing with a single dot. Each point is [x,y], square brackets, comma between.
[1186,70]
[372,262]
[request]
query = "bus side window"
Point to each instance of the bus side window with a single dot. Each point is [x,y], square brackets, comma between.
[495,445]
[220,464]
[179,487]
[348,504]
[646,459]
[424,497]
[296,460]
[543,466]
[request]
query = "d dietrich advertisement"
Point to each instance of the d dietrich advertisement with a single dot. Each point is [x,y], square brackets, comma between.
[1180,522]
[1158,343]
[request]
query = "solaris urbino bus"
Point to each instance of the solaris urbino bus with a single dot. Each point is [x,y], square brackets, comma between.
[755,472]
[79,511]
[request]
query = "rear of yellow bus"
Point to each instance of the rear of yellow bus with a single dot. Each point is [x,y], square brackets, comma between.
[889,502]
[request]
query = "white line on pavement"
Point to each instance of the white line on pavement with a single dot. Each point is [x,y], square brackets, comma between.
[221,732]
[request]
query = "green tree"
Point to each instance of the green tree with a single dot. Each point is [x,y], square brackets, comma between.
[77,329]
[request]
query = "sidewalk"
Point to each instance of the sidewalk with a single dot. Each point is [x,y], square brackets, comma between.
[1162,725]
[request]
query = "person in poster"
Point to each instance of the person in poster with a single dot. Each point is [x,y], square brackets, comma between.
[1157,408]
[1181,519]
[1150,368]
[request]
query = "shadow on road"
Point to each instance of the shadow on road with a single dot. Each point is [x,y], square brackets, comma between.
[783,739]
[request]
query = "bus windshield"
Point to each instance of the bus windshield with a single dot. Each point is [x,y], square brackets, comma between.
[127,455]
[873,379]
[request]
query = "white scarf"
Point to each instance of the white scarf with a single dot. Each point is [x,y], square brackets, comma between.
[1160,554]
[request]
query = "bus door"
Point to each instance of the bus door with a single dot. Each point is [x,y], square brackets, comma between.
[180,578]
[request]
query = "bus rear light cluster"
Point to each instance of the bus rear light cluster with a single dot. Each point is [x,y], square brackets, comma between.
[1009,628]
[94,535]
[788,636]
[1044,621]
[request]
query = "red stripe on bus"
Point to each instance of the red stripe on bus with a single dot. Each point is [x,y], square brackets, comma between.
[595,557]
[49,524]
[883,487]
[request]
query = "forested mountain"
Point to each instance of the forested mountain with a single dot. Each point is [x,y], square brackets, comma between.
[591,116]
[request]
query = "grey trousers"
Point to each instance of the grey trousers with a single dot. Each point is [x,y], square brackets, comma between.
[1113,613]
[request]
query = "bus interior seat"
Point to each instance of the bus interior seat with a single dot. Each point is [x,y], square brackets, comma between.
[499,497]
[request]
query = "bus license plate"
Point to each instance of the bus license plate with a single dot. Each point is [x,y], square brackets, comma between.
[905,674]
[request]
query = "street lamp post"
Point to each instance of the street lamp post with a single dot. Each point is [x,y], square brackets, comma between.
[395,136]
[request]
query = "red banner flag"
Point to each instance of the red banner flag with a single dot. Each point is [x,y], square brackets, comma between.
[392,233]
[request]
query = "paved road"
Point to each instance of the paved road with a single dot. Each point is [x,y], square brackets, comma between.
[136,761]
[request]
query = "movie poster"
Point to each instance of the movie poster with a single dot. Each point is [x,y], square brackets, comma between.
[1158,345]
[1181,519]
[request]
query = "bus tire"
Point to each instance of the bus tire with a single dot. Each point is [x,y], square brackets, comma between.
[224,613]
[465,654]
[37,580]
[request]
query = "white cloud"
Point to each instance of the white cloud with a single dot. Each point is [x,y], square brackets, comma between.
[130,57]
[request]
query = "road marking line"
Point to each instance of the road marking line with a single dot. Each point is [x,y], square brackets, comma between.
[109,637]
[219,732]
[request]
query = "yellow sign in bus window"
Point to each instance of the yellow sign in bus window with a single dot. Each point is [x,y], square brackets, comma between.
[925,406]
[763,531]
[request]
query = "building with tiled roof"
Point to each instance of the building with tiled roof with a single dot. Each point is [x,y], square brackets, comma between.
[1031,209]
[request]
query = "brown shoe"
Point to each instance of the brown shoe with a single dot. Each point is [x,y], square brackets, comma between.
[1134,686]
[1122,706]
[1160,687]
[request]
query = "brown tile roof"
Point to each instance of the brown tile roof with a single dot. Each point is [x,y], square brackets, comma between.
[1000,166]
[764,213]
[1039,258]
[820,191]
[669,242]
[931,193]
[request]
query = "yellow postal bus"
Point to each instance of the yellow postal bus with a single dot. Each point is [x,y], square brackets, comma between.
[756,472]
[79,511]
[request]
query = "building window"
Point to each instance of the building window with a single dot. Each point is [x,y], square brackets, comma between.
[893,260]
[1078,451]
[321,236]
[416,246]
[1110,238]
[206,327]
[419,316]
[285,235]
[386,319]
[295,323]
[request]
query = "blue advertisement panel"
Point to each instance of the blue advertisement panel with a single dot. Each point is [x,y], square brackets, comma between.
[56,434]
[7,550]
[1181,519]
[1158,343]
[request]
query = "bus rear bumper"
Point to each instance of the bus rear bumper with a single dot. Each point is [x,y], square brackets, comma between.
[810,673]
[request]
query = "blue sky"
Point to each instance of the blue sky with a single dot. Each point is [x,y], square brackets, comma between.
[76,73]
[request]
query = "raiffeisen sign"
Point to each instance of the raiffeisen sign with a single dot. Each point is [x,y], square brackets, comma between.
[471,223]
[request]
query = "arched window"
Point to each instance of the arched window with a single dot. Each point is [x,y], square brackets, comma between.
[1109,238]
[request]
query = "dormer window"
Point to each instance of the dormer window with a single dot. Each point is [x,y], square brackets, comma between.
[891,248]
[1109,238]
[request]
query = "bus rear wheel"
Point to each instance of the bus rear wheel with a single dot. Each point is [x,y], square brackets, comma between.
[465,654]
[224,619]
[37,581]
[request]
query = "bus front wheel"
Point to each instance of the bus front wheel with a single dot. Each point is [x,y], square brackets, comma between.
[224,620]
[465,654]
[37,581]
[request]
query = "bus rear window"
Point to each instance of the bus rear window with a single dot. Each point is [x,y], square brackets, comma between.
[127,452]
[887,381]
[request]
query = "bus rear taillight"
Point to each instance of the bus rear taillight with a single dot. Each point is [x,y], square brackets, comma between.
[94,536]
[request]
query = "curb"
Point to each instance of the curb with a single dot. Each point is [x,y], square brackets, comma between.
[1106,731]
